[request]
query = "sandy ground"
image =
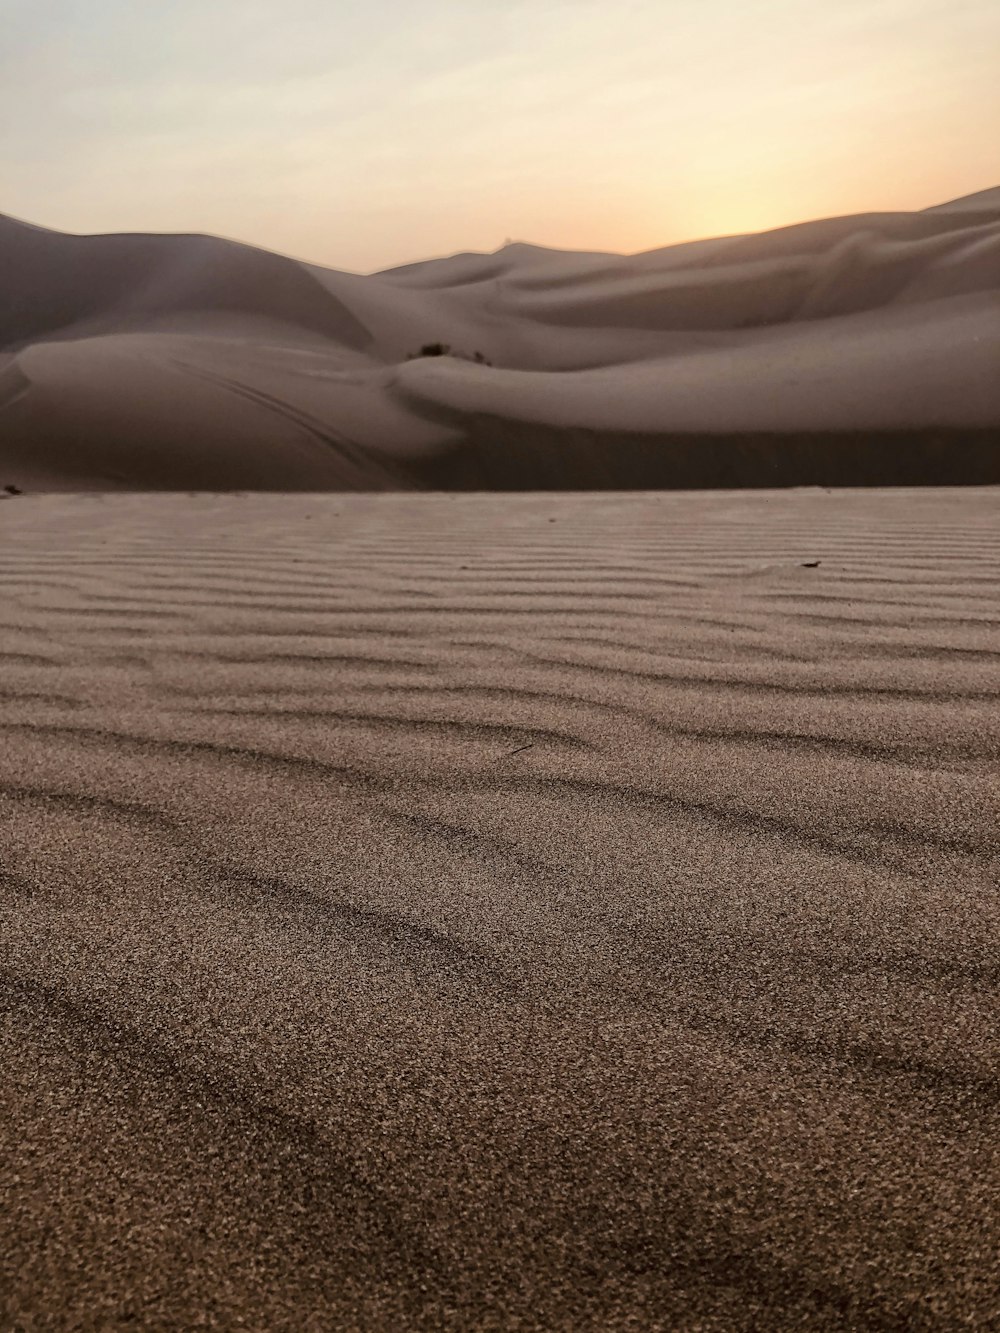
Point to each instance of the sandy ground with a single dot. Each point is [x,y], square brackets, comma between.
[482,913]
[847,351]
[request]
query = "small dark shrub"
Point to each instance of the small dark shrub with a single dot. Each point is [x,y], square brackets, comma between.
[443,349]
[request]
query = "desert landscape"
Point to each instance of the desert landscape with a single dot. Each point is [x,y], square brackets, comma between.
[499,912]
[856,350]
[500,667]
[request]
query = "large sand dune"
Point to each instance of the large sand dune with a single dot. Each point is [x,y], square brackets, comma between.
[500,913]
[857,349]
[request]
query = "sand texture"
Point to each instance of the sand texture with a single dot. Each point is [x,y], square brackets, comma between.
[853,350]
[572,913]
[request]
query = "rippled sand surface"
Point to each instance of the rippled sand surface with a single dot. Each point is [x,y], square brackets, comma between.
[544,913]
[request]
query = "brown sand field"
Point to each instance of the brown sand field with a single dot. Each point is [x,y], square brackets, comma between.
[477,912]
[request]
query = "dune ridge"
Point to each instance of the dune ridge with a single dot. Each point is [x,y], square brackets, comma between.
[564,912]
[191,362]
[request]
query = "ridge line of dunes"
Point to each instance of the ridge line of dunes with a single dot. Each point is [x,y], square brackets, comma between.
[850,350]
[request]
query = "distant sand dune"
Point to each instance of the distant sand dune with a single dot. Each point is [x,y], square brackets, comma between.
[189,362]
[500,912]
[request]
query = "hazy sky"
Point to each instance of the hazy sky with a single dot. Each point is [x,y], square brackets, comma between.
[362,133]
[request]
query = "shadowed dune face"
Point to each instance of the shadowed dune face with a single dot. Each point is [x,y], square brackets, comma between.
[523,912]
[189,362]
[65,286]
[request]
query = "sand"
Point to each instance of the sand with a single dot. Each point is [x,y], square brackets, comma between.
[854,350]
[500,912]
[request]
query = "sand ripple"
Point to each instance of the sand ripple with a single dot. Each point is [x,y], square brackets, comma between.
[559,912]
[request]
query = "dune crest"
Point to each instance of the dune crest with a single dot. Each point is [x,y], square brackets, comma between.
[851,350]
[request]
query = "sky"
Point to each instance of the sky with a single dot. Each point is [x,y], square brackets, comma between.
[366,133]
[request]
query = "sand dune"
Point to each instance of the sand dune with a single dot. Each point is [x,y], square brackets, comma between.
[475,912]
[857,349]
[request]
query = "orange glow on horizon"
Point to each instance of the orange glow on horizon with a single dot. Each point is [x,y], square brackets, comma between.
[366,136]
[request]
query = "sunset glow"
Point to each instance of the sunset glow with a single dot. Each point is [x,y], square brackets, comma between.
[361,136]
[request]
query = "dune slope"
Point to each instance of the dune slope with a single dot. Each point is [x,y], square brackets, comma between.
[490,913]
[855,350]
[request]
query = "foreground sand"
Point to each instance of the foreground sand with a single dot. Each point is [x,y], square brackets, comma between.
[554,912]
